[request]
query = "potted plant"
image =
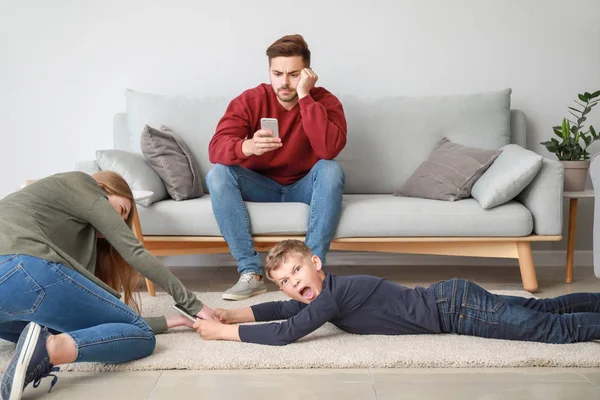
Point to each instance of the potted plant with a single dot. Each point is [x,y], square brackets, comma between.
[571,147]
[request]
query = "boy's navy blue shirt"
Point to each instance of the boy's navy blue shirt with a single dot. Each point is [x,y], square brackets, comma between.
[359,304]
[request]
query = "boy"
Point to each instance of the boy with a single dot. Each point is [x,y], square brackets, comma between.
[363,304]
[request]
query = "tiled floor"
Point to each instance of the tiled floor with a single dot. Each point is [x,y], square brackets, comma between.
[422,384]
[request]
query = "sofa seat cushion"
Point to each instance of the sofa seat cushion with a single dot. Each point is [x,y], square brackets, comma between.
[385,215]
[362,216]
[195,217]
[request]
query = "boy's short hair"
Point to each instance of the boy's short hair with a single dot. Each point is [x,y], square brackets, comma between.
[289,46]
[281,250]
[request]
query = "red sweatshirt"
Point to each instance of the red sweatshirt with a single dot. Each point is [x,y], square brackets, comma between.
[314,129]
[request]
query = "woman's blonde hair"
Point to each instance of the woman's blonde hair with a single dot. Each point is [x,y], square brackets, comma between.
[111,268]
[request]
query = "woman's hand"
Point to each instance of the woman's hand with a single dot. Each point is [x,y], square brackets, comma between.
[207,313]
[174,321]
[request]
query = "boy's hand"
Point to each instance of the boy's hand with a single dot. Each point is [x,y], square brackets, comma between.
[213,330]
[225,316]
[235,316]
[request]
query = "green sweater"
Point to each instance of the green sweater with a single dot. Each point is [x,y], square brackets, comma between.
[58,218]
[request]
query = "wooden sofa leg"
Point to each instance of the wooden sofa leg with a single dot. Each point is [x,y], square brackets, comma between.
[527,268]
[150,286]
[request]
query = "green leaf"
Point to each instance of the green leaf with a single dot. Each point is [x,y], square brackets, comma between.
[587,95]
[582,97]
[565,129]
[587,140]
[574,129]
[573,114]
[581,120]
[557,131]
[595,94]
[587,110]
[576,110]
[593,132]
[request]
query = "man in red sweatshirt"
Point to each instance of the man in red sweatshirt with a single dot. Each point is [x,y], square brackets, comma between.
[254,165]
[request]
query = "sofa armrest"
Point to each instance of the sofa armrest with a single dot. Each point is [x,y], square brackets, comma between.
[88,166]
[543,197]
[595,175]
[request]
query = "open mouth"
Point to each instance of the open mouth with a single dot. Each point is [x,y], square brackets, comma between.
[307,293]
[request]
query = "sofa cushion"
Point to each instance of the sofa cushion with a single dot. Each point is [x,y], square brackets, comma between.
[389,137]
[509,174]
[362,216]
[136,172]
[168,155]
[389,216]
[195,217]
[449,173]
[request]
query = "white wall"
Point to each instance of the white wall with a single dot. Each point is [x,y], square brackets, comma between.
[65,64]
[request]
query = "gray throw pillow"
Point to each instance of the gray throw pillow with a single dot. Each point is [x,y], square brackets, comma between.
[168,155]
[449,173]
[512,171]
[136,172]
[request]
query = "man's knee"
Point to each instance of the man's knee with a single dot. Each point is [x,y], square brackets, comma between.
[330,171]
[218,176]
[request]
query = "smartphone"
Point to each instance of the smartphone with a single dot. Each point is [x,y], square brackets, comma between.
[184,312]
[270,124]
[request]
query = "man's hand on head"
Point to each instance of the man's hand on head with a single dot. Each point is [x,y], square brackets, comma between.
[308,78]
[262,142]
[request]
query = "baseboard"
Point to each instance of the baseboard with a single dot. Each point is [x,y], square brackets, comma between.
[540,258]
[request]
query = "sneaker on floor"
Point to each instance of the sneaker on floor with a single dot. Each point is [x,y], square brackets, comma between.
[30,363]
[246,286]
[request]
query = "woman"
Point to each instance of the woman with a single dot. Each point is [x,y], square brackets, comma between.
[66,250]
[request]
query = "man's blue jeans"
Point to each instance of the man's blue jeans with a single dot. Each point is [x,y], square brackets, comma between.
[467,309]
[52,295]
[322,189]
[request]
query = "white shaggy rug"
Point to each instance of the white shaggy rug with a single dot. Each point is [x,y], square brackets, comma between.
[328,347]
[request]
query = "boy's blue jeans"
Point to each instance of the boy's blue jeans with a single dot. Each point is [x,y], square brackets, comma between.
[52,295]
[467,309]
[322,189]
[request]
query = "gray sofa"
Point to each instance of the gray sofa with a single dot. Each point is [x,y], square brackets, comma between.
[388,137]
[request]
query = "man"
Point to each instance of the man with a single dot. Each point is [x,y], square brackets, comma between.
[252,164]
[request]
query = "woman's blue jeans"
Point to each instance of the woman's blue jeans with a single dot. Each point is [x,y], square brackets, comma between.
[52,295]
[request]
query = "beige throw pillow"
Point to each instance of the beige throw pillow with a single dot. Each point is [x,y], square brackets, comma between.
[449,173]
[171,159]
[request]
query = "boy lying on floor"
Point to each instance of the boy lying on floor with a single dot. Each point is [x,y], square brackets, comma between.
[363,304]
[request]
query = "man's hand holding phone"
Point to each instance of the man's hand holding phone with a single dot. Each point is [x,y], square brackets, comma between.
[263,140]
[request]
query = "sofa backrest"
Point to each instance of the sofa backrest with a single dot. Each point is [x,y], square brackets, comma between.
[388,137]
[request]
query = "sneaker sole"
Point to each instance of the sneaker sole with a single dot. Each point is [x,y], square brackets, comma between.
[23,362]
[229,296]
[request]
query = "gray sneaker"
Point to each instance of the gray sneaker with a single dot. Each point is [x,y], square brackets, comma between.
[246,286]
